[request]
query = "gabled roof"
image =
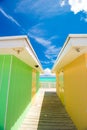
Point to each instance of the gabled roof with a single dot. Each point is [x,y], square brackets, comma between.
[20,47]
[74,46]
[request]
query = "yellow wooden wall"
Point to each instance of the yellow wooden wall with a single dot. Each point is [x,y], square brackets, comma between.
[75,91]
[60,85]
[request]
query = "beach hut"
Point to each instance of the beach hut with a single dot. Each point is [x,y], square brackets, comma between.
[71,75]
[19,78]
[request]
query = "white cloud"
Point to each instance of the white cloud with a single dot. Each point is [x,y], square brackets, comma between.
[47,72]
[45,62]
[9,17]
[62,3]
[52,52]
[41,8]
[40,40]
[36,30]
[53,37]
[78,5]
[84,18]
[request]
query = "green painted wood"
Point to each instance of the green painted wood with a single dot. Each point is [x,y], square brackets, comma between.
[5,64]
[19,91]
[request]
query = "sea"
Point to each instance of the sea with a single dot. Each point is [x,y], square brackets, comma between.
[47,82]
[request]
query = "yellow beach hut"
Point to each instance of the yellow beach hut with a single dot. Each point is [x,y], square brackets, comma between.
[71,75]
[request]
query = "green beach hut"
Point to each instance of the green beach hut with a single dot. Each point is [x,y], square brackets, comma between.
[19,78]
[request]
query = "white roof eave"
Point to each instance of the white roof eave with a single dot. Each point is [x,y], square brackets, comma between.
[75,45]
[21,48]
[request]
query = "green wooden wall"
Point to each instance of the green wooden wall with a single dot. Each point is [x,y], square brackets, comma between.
[5,71]
[15,89]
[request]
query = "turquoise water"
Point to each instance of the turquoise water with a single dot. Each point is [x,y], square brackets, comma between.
[47,79]
[48,82]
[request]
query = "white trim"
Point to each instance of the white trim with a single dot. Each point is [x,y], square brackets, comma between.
[72,42]
[8,91]
[10,43]
[60,53]
[4,38]
[34,53]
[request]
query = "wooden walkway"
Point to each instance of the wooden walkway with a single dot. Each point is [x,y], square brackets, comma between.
[47,113]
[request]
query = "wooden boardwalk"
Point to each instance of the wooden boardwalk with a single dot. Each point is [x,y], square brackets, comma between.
[47,113]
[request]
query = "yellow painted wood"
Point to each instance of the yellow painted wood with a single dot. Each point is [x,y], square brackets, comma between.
[75,91]
[60,85]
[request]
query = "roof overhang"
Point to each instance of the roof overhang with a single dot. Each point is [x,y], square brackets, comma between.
[75,45]
[20,47]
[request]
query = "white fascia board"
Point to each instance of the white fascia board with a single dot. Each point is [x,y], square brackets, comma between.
[73,41]
[5,38]
[19,42]
[34,54]
[58,57]
[8,44]
[62,53]
[77,35]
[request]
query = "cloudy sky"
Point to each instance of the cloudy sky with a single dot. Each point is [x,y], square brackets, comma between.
[47,23]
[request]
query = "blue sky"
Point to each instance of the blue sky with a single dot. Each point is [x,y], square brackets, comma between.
[47,23]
